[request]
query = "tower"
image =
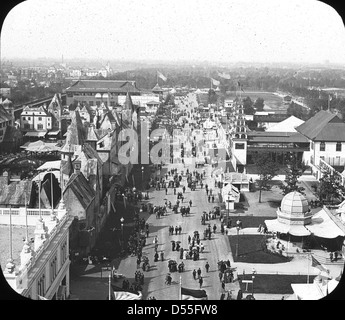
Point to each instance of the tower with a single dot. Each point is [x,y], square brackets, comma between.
[239,136]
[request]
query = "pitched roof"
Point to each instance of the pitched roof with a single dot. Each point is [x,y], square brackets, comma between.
[14,192]
[4,115]
[287,125]
[81,188]
[157,88]
[128,102]
[324,126]
[75,131]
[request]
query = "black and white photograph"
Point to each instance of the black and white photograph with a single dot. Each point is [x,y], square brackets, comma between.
[172,150]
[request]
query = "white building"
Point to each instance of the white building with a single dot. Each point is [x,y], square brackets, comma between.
[326,134]
[40,270]
[35,121]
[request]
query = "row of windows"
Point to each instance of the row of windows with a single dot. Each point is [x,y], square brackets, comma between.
[338,146]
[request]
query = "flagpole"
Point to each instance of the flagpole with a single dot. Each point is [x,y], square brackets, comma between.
[309,253]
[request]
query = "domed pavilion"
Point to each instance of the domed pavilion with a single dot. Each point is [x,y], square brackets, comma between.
[295,223]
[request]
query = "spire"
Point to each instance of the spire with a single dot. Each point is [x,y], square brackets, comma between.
[128,102]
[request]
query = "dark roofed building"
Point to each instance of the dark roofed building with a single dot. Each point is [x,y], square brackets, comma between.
[94,92]
[326,135]
[324,126]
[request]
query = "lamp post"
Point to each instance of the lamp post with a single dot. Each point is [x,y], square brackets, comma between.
[253,277]
[142,177]
[238,229]
[122,220]
[227,218]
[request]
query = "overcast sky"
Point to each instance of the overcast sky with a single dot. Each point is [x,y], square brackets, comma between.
[218,30]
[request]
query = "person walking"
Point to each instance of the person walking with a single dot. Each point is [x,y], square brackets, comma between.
[199,273]
[166,190]
[189,239]
[194,274]
[220,276]
[223,285]
[190,202]
[209,197]
[201,282]
[175,191]
[207,266]
[212,199]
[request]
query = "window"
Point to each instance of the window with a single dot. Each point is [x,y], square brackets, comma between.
[24,118]
[312,145]
[26,126]
[322,146]
[239,145]
[39,118]
[1,132]
[41,286]
[338,146]
[29,118]
[40,126]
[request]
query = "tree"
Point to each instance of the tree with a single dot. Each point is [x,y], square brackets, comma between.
[212,96]
[294,170]
[248,106]
[266,169]
[259,104]
[330,188]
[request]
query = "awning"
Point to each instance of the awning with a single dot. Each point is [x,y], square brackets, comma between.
[50,165]
[307,291]
[296,230]
[323,226]
[53,133]
[36,133]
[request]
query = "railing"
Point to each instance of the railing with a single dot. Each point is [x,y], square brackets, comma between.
[55,231]
[20,216]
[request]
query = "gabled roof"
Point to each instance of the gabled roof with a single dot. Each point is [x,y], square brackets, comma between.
[81,188]
[90,134]
[157,88]
[324,126]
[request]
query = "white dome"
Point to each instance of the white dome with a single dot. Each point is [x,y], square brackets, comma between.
[294,209]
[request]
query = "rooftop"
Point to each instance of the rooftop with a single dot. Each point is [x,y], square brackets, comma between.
[324,126]
[104,86]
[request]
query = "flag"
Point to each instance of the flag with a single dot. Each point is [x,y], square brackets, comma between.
[160,75]
[317,264]
[215,82]
[224,75]
[191,294]
[121,294]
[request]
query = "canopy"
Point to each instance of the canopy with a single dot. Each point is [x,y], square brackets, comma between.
[41,176]
[50,165]
[296,230]
[323,226]
[35,133]
[53,133]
